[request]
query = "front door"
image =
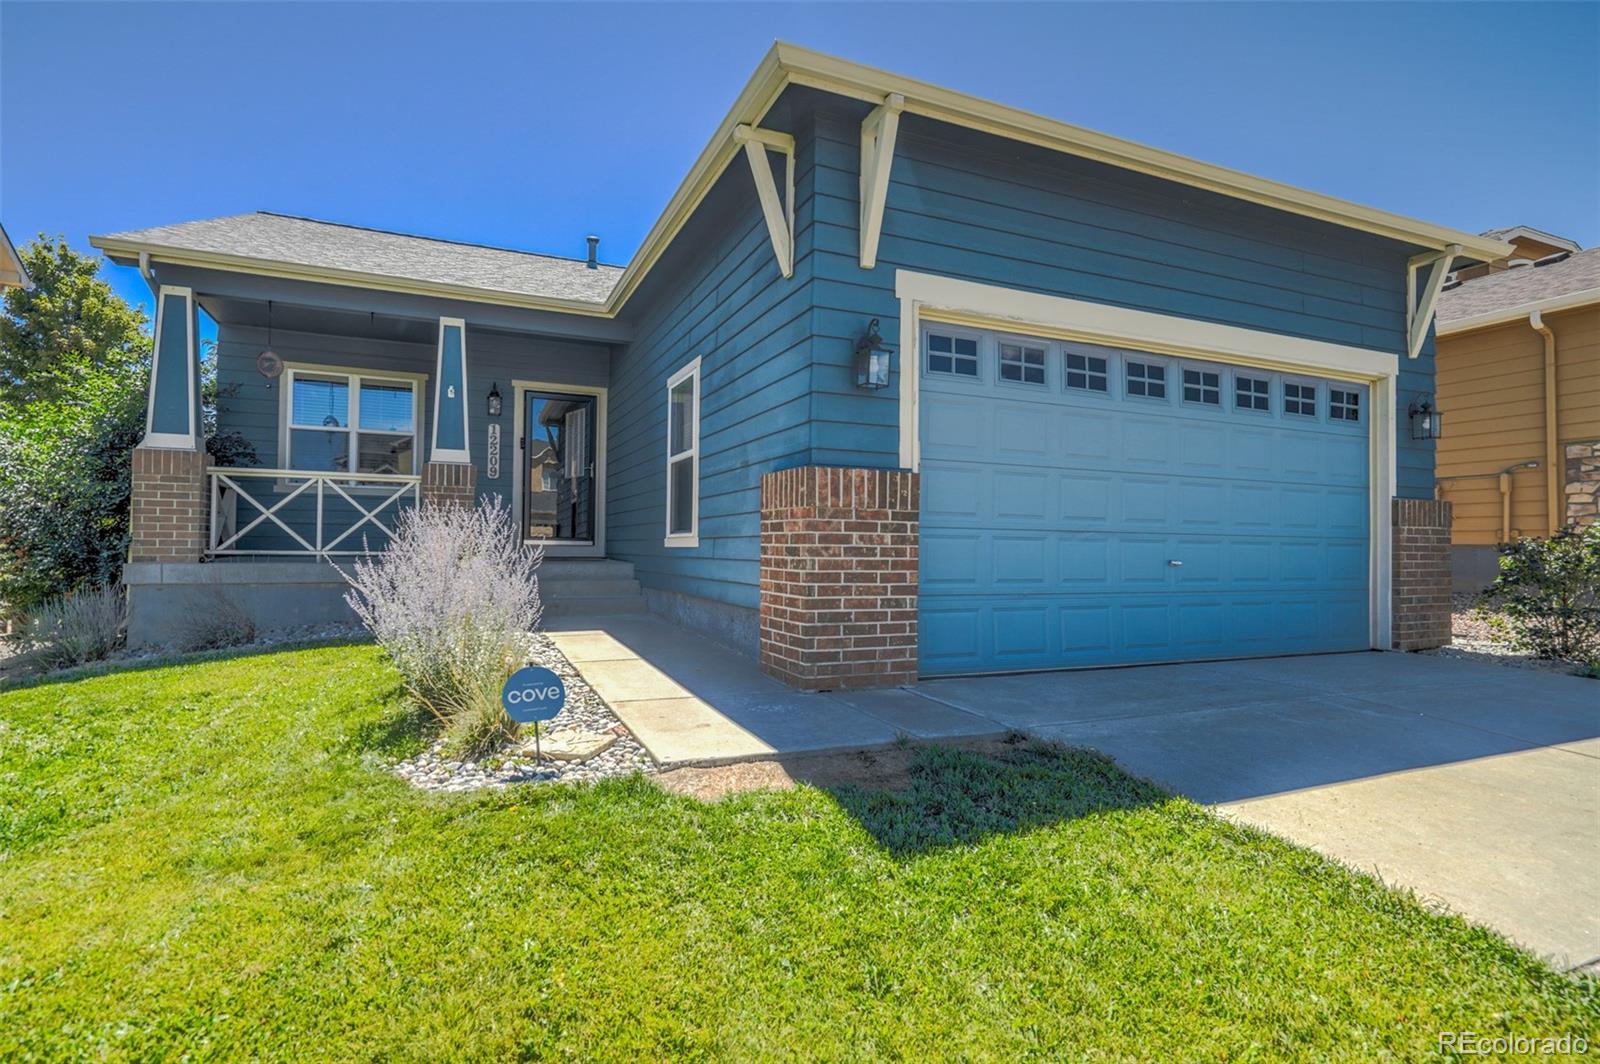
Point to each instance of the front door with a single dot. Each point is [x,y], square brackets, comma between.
[558,467]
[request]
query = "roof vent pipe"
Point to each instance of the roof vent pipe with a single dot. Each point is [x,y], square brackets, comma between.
[594,251]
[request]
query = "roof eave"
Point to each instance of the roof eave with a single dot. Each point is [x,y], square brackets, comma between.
[130,251]
[1505,315]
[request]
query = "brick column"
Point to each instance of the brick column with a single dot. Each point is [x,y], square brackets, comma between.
[1421,574]
[839,577]
[169,505]
[449,484]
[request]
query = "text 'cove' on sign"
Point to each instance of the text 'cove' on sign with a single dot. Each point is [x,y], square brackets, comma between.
[533,693]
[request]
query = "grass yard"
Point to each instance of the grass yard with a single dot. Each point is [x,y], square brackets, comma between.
[212,860]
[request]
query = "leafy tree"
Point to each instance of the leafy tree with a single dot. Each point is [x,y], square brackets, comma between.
[74,361]
[68,326]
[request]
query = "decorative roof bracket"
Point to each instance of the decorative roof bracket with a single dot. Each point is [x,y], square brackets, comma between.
[1419,313]
[878,132]
[779,214]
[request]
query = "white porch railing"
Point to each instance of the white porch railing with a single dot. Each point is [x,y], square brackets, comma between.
[381,490]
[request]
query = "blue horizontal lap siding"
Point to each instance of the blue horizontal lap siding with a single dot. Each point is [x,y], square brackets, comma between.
[964,205]
[719,297]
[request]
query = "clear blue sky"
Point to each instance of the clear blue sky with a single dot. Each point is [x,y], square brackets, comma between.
[530,125]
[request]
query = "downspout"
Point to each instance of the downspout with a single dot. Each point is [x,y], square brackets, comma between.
[1553,465]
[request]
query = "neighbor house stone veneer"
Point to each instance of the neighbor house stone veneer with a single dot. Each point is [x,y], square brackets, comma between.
[168,505]
[1583,483]
[839,577]
[449,484]
[1421,581]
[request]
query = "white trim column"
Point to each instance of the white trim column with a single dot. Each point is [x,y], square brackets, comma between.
[451,425]
[172,412]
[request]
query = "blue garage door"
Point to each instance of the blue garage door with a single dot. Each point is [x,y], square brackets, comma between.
[1084,505]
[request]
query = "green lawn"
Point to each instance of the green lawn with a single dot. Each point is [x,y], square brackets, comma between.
[212,860]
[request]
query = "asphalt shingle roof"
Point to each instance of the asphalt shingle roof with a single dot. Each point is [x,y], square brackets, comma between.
[1520,286]
[285,238]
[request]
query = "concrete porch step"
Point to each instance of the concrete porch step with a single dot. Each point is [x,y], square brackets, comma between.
[564,589]
[593,605]
[588,587]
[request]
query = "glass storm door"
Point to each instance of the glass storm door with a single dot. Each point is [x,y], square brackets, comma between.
[558,467]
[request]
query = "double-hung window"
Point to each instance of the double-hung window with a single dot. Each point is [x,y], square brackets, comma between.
[683,457]
[351,422]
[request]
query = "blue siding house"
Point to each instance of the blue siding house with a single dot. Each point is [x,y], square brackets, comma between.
[902,383]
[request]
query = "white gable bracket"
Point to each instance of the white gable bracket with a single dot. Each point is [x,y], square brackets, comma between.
[878,132]
[778,213]
[1419,313]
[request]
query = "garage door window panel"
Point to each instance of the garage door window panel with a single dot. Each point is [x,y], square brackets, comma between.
[1022,363]
[1252,393]
[1145,379]
[952,354]
[1088,372]
[1300,399]
[1202,387]
[1344,404]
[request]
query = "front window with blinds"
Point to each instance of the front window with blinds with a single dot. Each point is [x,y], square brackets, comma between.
[351,422]
[683,457]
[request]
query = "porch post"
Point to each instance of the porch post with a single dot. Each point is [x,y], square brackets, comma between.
[449,477]
[168,504]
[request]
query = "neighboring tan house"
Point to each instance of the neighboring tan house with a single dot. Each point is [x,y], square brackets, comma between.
[902,383]
[1518,370]
[12,273]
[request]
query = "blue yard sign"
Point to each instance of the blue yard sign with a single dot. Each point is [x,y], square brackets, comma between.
[533,693]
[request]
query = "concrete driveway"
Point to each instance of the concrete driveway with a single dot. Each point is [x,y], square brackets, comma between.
[1477,786]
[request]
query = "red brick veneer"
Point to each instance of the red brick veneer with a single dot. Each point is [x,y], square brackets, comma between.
[1421,578]
[168,505]
[450,484]
[839,577]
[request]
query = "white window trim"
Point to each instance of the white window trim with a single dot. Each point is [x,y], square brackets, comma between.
[692,537]
[354,374]
[568,548]
[926,298]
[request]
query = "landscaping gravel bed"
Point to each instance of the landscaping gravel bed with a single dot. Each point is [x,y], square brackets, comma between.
[584,712]
[1474,638]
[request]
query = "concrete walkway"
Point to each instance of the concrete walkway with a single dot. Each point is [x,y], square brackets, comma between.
[1475,785]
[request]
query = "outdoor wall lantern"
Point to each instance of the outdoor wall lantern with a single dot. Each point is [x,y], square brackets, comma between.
[872,360]
[494,399]
[1426,422]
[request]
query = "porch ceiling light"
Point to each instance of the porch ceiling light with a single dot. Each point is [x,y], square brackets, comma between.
[1426,422]
[494,399]
[872,360]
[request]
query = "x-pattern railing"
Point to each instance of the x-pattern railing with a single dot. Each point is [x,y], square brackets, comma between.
[383,490]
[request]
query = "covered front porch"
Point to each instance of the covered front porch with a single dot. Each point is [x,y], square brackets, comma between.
[290,422]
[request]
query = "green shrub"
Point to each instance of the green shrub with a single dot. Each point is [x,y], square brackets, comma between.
[76,629]
[1548,591]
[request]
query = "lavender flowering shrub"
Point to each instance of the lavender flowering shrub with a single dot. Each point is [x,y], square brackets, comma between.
[452,601]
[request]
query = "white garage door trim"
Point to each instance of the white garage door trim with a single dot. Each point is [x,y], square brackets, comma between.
[929,297]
